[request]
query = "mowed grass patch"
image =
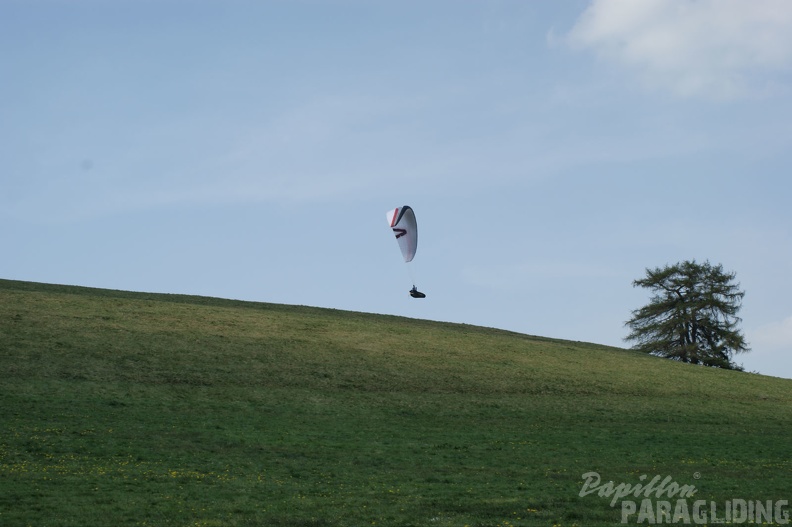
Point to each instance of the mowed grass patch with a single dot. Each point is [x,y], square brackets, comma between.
[137,409]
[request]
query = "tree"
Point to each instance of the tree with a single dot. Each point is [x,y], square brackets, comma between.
[692,316]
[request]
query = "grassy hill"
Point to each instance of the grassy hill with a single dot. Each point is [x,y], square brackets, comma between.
[125,408]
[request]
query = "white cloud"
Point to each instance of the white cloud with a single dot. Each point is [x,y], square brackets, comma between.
[720,49]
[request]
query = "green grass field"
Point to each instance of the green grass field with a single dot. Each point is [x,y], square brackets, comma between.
[141,409]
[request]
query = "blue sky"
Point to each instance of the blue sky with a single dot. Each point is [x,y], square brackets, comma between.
[552,151]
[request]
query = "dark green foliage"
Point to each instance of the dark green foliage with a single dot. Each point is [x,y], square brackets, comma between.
[692,316]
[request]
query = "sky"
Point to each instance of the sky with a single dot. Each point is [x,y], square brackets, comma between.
[552,152]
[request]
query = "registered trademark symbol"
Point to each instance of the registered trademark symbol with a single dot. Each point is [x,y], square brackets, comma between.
[696,475]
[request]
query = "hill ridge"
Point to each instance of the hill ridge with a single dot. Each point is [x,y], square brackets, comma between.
[124,408]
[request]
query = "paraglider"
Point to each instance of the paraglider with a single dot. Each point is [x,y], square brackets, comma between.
[402,222]
[416,294]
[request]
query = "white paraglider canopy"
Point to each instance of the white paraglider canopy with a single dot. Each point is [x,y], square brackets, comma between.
[402,221]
